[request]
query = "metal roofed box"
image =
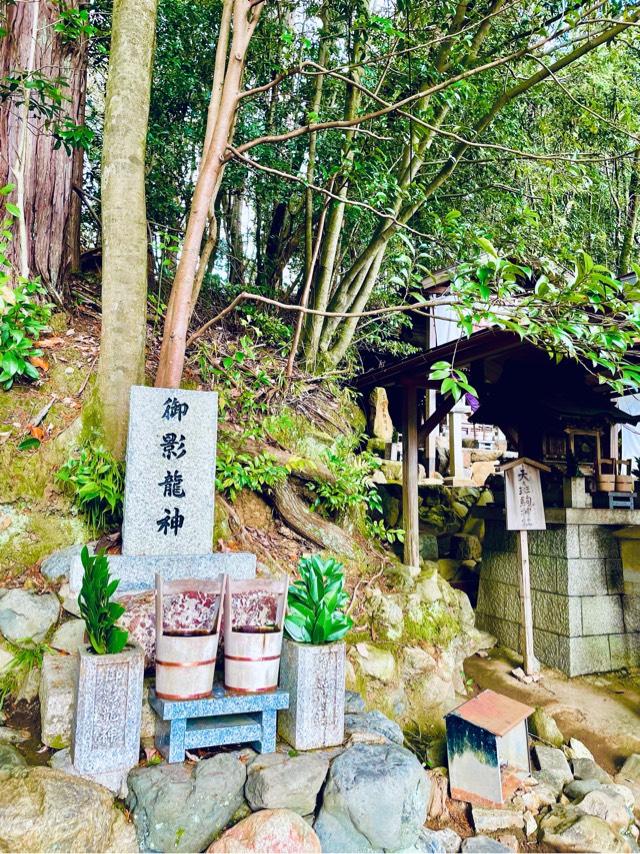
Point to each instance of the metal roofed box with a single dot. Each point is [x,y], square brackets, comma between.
[488,748]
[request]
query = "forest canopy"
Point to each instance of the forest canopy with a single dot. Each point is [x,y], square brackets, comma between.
[329,155]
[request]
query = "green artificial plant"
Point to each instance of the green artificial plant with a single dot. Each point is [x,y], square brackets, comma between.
[316,602]
[97,609]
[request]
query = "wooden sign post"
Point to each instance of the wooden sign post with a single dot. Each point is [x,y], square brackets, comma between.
[525,512]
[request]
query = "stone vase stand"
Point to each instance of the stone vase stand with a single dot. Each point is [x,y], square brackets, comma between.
[314,676]
[186,663]
[253,628]
[105,741]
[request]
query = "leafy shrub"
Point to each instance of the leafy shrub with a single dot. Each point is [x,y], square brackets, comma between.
[316,602]
[236,471]
[351,487]
[95,480]
[23,315]
[26,657]
[350,484]
[99,613]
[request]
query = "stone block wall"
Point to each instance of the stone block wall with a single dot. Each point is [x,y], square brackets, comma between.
[583,622]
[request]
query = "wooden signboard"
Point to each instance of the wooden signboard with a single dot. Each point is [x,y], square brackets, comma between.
[525,512]
[523,492]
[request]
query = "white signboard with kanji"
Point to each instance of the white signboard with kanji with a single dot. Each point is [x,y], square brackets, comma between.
[523,495]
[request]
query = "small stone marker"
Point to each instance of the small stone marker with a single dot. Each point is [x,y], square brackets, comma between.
[170,481]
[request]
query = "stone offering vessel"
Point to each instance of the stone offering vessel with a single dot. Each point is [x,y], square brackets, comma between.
[253,629]
[313,656]
[105,741]
[188,618]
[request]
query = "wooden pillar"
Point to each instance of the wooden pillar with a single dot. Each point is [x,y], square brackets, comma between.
[530,663]
[410,476]
[430,438]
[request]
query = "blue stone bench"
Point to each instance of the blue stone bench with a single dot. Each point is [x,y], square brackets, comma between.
[223,718]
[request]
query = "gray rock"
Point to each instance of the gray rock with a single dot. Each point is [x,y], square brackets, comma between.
[553,783]
[57,699]
[279,781]
[609,806]
[577,789]
[10,757]
[631,769]
[491,820]
[587,769]
[544,726]
[10,735]
[45,810]
[579,750]
[183,808]
[376,797]
[568,828]
[428,841]
[553,762]
[530,824]
[58,564]
[69,636]
[482,844]
[353,703]
[27,616]
[448,840]
[373,722]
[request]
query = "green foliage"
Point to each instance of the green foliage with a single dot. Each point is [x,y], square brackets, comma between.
[350,487]
[99,613]
[316,602]
[23,313]
[95,481]
[436,625]
[26,656]
[237,471]
[454,381]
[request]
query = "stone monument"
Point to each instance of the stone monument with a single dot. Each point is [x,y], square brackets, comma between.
[170,493]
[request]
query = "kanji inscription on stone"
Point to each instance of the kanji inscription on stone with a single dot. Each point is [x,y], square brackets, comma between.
[170,479]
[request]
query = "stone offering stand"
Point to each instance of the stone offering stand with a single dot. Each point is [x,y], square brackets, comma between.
[223,718]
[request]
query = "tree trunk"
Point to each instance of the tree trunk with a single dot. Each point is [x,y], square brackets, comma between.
[46,173]
[124,221]
[245,16]
[629,231]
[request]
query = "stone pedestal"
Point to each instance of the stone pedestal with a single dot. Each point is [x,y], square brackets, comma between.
[314,677]
[583,622]
[106,731]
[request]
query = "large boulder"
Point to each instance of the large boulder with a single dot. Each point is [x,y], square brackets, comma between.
[183,808]
[68,637]
[267,831]
[374,662]
[553,763]
[282,782]
[376,798]
[46,810]
[27,616]
[568,828]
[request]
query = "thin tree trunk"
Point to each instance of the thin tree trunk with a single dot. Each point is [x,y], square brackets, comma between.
[124,222]
[46,174]
[245,17]
[631,218]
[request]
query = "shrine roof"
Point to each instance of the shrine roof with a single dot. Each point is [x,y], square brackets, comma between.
[494,712]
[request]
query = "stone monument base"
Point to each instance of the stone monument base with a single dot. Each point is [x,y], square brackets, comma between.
[583,622]
[137,572]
